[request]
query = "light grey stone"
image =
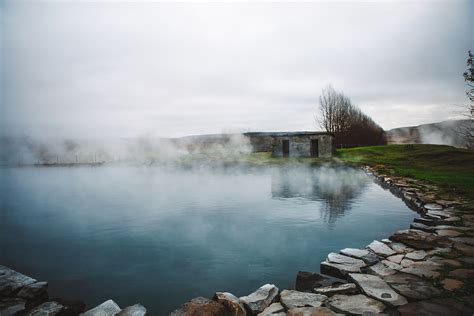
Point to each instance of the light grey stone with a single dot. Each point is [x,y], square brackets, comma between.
[400,248]
[134,310]
[396,258]
[363,254]
[377,288]
[347,288]
[381,249]
[261,298]
[416,255]
[11,281]
[381,269]
[355,304]
[341,259]
[275,309]
[107,308]
[293,299]
[433,206]
[34,290]
[392,265]
[47,309]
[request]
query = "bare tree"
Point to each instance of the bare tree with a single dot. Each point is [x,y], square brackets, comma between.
[346,121]
[467,129]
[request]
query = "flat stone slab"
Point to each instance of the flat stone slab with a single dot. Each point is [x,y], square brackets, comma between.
[416,238]
[107,308]
[293,299]
[411,286]
[307,281]
[347,288]
[420,226]
[355,304]
[452,284]
[381,249]
[231,303]
[51,309]
[448,233]
[381,269]
[465,249]
[35,290]
[339,266]
[462,273]
[275,309]
[416,255]
[134,310]
[260,299]
[377,288]
[396,258]
[433,206]
[464,240]
[436,307]
[11,281]
[400,248]
[311,311]
[362,254]
[12,306]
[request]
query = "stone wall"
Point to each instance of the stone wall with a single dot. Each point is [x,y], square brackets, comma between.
[300,145]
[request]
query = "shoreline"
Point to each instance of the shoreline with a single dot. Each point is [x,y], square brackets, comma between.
[428,267]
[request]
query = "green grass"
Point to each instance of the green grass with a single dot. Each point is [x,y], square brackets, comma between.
[446,166]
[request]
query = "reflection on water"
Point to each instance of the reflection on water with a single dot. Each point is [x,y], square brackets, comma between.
[335,188]
[161,236]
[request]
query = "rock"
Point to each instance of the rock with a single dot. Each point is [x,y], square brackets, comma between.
[422,271]
[425,221]
[467,260]
[448,233]
[435,307]
[12,306]
[416,255]
[199,306]
[33,291]
[452,219]
[355,304]
[381,249]
[72,307]
[416,238]
[293,299]
[464,240]
[462,273]
[406,263]
[311,311]
[432,206]
[347,288]
[49,309]
[423,227]
[380,269]
[452,284]
[400,248]
[107,308]
[411,286]
[377,288]
[392,265]
[307,281]
[134,310]
[12,281]
[339,265]
[275,309]
[446,262]
[362,254]
[465,249]
[231,303]
[459,228]
[260,299]
[396,258]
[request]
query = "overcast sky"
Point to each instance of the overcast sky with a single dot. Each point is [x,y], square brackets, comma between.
[162,69]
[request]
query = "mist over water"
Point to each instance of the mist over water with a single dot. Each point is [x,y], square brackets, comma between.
[163,235]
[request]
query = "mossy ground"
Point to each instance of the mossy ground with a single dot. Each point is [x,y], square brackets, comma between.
[448,167]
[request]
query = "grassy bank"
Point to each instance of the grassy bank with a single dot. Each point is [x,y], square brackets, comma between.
[448,167]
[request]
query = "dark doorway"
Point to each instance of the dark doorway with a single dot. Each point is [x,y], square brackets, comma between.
[314,148]
[286,148]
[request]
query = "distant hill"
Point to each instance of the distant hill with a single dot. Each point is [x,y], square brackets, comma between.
[441,133]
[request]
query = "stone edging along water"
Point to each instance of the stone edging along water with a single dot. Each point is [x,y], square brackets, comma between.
[425,270]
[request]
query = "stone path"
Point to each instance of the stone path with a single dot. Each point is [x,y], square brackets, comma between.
[427,269]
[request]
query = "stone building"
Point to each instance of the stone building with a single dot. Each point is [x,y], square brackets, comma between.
[293,144]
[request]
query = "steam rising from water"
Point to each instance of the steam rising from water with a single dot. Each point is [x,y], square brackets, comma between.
[144,150]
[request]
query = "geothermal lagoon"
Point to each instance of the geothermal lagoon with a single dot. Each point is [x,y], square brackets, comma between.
[161,235]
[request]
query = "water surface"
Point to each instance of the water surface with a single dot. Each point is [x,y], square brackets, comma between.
[160,236]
